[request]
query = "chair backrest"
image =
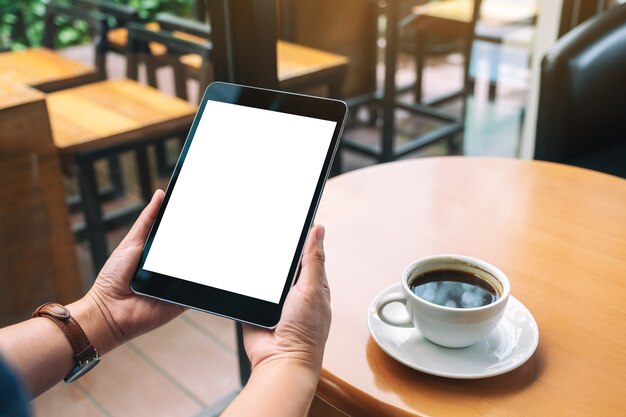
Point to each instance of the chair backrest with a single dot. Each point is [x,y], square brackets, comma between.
[119,13]
[173,23]
[98,24]
[140,37]
[583,89]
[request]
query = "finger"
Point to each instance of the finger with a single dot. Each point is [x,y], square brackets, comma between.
[313,259]
[139,232]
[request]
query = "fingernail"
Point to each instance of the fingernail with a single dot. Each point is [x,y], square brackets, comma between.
[321,232]
[154,194]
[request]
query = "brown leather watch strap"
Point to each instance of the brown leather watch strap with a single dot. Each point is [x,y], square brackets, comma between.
[84,351]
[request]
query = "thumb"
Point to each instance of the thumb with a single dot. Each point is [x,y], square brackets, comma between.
[314,258]
[139,232]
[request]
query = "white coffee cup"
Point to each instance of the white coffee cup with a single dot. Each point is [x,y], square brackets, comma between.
[452,327]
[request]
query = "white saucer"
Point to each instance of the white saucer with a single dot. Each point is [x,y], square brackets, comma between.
[510,345]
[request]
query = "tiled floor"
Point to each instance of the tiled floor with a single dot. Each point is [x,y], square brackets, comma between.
[181,369]
[185,367]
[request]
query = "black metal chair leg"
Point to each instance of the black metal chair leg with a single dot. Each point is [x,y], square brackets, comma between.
[493,85]
[143,172]
[115,175]
[455,144]
[420,57]
[161,159]
[373,113]
[96,230]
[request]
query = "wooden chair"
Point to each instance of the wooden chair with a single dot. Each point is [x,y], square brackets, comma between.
[158,54]
[298,67]
[504,23]
[116,42]
[99,27]
[103,18]
[469,20]
[117,34]
[37,255]
[118,16]
[103,119]
[151,43]
[117,39]
[450,18]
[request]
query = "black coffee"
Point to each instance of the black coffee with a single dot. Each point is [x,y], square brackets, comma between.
[450,288]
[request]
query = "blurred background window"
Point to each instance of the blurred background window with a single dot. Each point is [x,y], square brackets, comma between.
[21,21]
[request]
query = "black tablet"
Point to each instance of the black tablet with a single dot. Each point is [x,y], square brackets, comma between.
[229,235]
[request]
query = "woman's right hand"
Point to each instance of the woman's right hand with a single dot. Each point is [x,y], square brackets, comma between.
[305,321]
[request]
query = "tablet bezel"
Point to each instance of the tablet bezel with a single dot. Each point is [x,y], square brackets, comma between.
[213,300]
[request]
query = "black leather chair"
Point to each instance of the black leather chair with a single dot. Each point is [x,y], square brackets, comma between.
[582,104]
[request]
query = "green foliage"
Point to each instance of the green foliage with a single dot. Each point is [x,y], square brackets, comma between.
[21,21]
[148,9]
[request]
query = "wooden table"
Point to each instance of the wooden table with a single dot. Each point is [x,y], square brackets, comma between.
[44,69]
[558,232]
[104,119]
[37,253]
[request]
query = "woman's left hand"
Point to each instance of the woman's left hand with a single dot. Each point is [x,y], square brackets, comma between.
[126,314]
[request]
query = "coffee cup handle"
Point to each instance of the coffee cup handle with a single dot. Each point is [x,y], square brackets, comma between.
[384,302]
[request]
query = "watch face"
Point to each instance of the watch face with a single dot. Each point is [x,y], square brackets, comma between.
[81,369]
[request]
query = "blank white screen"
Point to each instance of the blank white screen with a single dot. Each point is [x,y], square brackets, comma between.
[235,215]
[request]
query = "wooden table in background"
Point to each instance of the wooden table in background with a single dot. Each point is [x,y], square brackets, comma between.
[558,232]
[37,254]
[44,69]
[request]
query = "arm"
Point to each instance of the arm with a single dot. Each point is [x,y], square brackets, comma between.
[286,362]
[109,313]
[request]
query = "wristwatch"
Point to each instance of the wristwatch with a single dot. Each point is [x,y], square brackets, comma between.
[85,354]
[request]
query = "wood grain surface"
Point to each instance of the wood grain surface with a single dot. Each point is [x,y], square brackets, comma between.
[108,113]
[558,232]
[294,62]
[44,69]
[491,11]
[37,258]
